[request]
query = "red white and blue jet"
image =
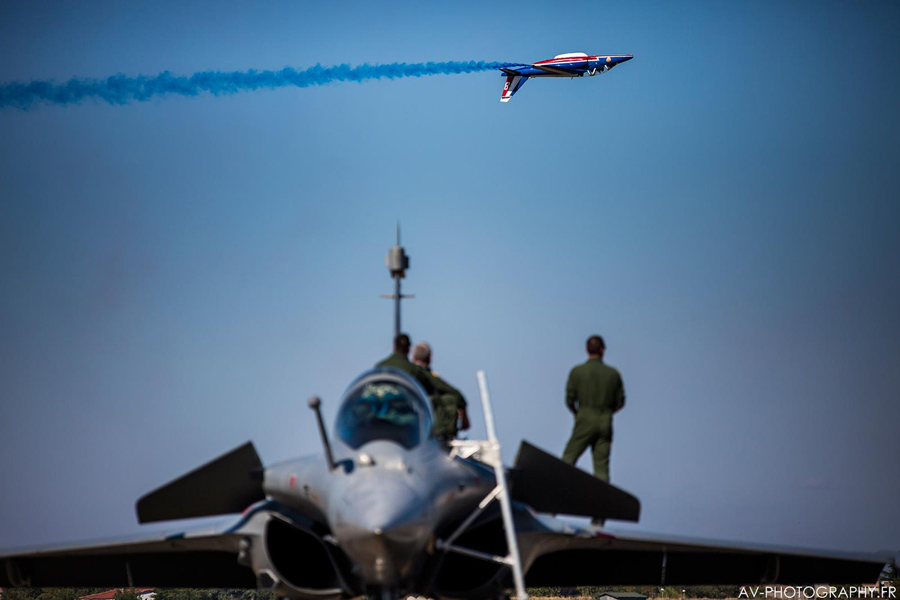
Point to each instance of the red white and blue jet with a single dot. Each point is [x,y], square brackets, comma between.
[573,64]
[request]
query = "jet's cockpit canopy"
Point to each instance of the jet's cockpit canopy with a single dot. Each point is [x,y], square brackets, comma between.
[384,405]
[571,55]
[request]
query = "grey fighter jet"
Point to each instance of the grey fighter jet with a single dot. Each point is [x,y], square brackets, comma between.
[387,510]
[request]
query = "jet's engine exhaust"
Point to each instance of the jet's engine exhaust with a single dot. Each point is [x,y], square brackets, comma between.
[122,89]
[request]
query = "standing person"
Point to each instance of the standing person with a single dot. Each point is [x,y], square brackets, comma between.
[435,387]
[449,403]
[399,360]
[594,392]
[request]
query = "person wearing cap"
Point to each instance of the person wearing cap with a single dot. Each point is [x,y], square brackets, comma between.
[434,386]
[449,403]
[594,392]
[399,360]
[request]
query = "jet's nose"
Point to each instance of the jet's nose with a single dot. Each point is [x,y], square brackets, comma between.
[382,524]
[613,60]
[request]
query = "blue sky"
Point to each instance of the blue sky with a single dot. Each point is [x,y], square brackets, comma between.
[179,275]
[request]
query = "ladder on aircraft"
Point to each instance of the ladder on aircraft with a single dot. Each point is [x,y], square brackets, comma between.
[488,452]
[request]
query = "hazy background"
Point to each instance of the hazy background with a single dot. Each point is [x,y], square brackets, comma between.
[178,276]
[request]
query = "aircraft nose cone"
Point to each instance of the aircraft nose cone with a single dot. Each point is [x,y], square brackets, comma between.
[382,524]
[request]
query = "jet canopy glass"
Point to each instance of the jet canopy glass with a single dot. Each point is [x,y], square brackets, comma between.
[383,408]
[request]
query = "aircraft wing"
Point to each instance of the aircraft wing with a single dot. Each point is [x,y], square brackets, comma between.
[549,485]
[227,484]
[203,559]
[599,558]
[199,558]
[560,71]
[556,554]
[266,538]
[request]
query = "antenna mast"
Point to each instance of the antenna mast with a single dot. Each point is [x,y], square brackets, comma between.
[397,262]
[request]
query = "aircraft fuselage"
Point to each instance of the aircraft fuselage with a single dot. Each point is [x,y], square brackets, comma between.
[383,503]
[574,66]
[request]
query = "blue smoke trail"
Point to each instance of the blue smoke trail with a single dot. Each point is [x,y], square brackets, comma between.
[120,89]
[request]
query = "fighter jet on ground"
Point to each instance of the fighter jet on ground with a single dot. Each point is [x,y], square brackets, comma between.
[573,64]
[386,510]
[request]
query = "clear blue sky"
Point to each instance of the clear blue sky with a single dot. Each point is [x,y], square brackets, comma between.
[179,275]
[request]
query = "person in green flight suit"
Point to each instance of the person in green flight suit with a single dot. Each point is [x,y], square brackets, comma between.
[449,407]
[594,392]
[434,386]
[398,360]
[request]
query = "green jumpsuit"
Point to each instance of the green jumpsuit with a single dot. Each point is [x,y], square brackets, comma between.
[445,399]
[594,392]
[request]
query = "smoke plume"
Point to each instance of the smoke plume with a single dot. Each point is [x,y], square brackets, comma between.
[121,89]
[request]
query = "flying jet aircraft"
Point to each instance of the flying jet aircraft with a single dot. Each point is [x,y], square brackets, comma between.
[387,510]
[572,64]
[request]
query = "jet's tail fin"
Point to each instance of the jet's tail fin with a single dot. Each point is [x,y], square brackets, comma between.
[227,484]
[514,81]
[550,485]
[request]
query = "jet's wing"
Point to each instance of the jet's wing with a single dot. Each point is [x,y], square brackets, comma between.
[203,560]
[557,554]
[198,558]
[600,558]
[266,538]
[558,70]
[514,81]
[227,484]
[549,485]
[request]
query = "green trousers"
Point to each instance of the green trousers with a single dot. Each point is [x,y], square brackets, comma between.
[594,430]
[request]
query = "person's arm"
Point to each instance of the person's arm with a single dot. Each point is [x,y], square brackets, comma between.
[571,396]
[460,399]
[620,396]
[427,380]
[440,386]
[445,388]
[463,417]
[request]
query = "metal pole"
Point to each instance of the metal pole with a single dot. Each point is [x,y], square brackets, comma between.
[505,505]
[396,306]
[397,262]
[315,404]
